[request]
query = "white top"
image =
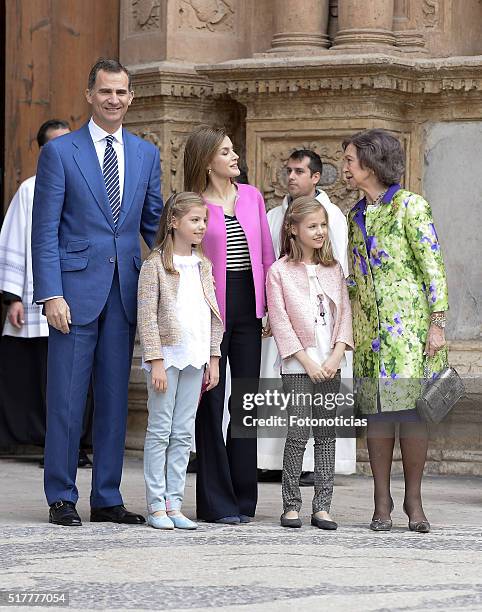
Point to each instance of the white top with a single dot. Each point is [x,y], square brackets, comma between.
[337,227]
[16,262]
[323,327]
[194,316]
[98,138]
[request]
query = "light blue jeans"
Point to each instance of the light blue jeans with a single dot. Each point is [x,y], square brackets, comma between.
[168,437]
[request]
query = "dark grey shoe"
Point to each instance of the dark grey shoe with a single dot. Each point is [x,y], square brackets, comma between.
[286,522]
[378,524]
[323,523]
[419,526]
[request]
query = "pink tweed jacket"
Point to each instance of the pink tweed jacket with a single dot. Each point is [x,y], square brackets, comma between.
[288,294]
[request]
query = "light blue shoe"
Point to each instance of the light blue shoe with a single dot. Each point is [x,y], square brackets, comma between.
[182,522]
[159,522]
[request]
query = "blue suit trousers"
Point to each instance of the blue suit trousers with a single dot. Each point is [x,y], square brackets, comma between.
[101,350]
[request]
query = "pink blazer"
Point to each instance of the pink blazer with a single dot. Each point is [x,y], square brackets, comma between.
[251,214]
[288,294]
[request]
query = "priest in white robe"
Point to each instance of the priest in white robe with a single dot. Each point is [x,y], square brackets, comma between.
[303,173]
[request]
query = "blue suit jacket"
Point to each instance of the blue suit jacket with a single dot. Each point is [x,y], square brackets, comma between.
[75,245]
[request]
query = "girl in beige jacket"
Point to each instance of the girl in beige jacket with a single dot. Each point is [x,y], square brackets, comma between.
[180,330]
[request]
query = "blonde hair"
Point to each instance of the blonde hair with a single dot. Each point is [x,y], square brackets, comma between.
[178,205]
[201,147]
[296,212]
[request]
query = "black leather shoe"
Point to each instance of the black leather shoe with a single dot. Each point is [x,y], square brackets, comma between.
[307,479]
[323,523]
[192,465]
[64,513]
[115,514]
[269,475]
[84,460]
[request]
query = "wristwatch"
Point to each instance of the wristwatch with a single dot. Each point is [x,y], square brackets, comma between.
[439,320]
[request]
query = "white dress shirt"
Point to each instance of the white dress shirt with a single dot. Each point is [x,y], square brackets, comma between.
[98,138]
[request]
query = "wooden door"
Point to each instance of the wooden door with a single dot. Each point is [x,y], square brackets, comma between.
[50,47]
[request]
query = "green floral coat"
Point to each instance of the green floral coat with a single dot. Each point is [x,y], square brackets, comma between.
[397,279]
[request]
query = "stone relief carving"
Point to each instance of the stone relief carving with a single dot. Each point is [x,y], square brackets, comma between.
[431,13]
[273,178]
[145,15]
[176,171]
[212,15]
[152,137]
[408,80]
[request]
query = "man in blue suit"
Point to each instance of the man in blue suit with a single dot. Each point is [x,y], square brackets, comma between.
[96,189]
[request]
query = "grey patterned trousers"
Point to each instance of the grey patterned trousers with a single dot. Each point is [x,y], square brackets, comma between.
[297,437]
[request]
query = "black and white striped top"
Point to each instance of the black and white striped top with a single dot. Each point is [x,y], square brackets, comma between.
[237,252]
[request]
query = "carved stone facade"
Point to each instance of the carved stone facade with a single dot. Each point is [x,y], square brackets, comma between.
[145,16]
[281,79]
[213,15]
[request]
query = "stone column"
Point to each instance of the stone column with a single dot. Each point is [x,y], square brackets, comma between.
[408,26]
[300,27]
[333,20]
[365,26]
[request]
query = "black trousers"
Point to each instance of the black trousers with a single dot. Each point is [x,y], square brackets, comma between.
[226,483]
[23,381]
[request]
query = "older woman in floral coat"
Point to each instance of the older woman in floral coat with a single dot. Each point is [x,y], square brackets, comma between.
[399,298]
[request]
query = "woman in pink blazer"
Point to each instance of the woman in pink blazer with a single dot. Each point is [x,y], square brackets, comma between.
[238,242]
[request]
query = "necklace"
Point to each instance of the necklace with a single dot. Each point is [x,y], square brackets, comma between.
[378,200]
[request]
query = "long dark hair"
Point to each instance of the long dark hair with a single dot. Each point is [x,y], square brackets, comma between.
[201,147]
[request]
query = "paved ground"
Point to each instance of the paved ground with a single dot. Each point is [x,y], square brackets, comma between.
[253,568]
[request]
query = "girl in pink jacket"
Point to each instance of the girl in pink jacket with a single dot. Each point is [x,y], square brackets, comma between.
[310,318]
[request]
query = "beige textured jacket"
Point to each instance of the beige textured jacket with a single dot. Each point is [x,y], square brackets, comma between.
[156,308]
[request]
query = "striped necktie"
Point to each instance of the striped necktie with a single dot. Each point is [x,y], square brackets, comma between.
[110,171]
